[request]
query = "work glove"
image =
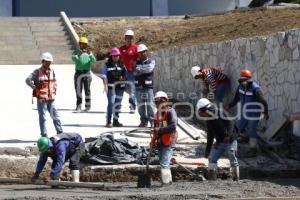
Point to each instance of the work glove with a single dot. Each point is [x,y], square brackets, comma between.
[46,180]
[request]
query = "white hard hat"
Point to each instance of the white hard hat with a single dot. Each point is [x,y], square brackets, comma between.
[202,103]
[161,94]
[195,70]
[142,47]
[129,32]
[47,57]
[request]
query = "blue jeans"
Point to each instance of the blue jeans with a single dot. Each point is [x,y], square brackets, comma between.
[130,89]
[145,99]
[114,98]
[218,151]
[43,107]
[221,90]
[251,126]
[165,155]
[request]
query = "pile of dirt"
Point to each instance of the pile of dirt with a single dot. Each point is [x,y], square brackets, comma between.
[160,33]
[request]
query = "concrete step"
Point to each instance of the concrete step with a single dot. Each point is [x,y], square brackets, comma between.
[30,19]
[48,33]
[57,28]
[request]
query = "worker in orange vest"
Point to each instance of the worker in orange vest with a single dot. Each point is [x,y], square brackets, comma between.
[164,134]
[43,83]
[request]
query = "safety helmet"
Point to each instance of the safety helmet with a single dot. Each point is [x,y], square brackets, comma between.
[160,94]
[84,40]
[245,75]
[142,47]
[203,103]
[129,33]
[47,56]
[195,70]
[115,52]
[43,144]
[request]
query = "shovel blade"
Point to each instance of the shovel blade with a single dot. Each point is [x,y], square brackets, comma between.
[144,180]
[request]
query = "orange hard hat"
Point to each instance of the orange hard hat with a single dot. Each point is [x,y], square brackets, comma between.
[245,73]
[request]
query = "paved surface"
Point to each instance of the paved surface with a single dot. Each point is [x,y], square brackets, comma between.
[19,117]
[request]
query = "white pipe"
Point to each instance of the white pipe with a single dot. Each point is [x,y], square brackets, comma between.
[70,28]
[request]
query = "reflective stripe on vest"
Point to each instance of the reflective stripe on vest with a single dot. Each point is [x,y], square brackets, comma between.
[46,87]
[162,122]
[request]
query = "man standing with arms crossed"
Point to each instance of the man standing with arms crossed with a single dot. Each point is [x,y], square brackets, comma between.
[129,55]
[83,59]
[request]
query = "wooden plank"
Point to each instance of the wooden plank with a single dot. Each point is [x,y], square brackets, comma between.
[52,183]
[189,130]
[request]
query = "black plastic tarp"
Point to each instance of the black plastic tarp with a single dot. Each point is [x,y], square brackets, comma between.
[108,150]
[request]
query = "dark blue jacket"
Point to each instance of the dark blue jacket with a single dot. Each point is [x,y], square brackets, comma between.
[252,94]
[64,146]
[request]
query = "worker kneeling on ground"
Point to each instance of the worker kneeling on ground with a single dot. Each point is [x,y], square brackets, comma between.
[60,148]
[219,127]
[164,134]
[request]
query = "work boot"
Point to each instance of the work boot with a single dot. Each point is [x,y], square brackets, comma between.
[75,175]
[235,173]
[87,108]
[212,171]
[78,108]
[243,138]
[253,147]
[166,177]
[143,124]
[116,123]
[108,125]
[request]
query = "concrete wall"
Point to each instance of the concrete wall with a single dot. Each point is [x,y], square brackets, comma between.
[274,61]
[83,8]
[5,7]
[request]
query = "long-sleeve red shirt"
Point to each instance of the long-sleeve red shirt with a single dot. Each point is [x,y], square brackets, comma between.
[129,55]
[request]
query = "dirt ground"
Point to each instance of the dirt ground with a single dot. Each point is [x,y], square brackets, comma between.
[159,33]
[180,190]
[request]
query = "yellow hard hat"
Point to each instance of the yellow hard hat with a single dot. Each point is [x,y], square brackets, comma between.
[83,40]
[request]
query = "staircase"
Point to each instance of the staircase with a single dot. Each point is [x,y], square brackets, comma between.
[23,39]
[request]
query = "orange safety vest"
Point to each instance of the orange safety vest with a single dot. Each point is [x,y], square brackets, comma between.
[46,85]
[161,122]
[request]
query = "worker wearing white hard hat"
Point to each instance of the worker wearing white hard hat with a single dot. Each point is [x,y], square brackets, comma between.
[220,128]
[164,134]
[216,82]
[144,67]
[45,92]
[129,55]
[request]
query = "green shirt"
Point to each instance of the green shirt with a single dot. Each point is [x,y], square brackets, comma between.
[84,61]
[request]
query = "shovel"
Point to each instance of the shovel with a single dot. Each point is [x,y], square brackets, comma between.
[197,177]
[144,179]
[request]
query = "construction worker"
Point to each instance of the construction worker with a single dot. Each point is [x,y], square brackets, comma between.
[83,59]
[60,148]
[43,83]
[144,85]
[113,74]
[164,134]
[220,128]
[129,55]
[251,101]
[216,82]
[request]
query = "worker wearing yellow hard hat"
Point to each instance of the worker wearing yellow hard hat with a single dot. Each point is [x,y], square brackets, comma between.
[83,59]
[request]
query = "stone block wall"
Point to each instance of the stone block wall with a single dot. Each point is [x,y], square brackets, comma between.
[273,59]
